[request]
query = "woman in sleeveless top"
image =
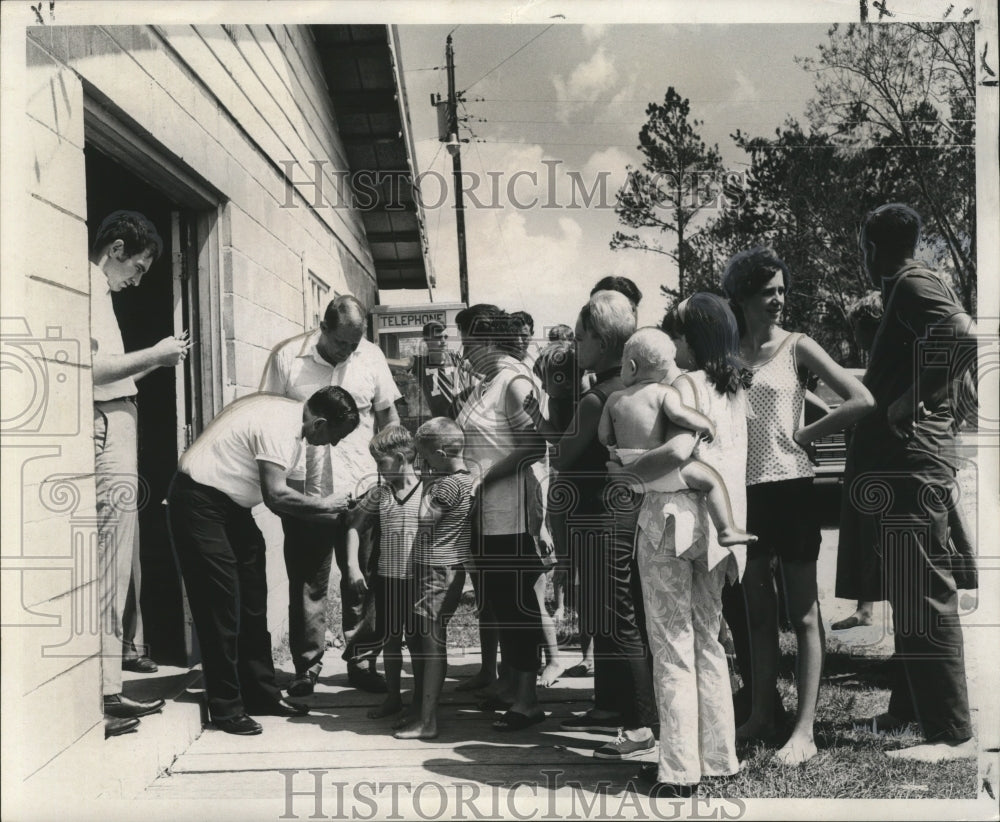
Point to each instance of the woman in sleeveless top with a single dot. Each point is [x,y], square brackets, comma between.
[500,439]
[780,505]
[682,565]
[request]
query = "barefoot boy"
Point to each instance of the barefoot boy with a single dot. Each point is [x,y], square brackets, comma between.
[395,505]
[441,552]
[635,420]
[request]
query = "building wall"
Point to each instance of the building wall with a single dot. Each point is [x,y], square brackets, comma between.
[233,106]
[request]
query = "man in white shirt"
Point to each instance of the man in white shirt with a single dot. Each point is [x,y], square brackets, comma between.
[125,247]
[334,354]
[249,454]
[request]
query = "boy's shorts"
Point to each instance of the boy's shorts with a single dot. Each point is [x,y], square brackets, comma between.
[439,590]
[393,606]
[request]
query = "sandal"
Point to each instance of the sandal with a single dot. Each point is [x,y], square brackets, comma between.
[492,704]
[581,669]
[516,721]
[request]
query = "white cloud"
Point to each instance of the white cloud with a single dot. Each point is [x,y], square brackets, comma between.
[745,89]
[589,79]
[542,261]
[593,31]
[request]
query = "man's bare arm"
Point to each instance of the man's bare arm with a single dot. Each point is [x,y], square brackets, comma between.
[166,353]
[282,499]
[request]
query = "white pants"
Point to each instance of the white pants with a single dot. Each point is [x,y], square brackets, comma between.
[116,477]
[690,674]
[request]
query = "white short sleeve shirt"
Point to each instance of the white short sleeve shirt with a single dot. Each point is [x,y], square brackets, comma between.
[296,370]
[253,429]
[106,336]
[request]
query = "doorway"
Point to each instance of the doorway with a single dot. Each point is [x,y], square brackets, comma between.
[159,307]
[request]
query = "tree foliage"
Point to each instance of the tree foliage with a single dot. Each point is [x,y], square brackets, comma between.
[679,178]
[893,119]
[910,88]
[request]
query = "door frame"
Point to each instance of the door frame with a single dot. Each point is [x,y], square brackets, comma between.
[199,205]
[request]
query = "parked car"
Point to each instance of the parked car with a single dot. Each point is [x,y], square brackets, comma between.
[831,451]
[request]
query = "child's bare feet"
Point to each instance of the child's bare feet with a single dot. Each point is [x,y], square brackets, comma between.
[551,673]
[476,682]
[855,620]
[417,730]
[408,717]
[796,751]
[390,705]
[734,536]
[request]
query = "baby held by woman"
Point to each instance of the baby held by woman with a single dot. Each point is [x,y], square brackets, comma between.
[635,420]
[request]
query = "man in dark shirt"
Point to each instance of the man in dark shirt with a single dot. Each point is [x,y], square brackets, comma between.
[900,481]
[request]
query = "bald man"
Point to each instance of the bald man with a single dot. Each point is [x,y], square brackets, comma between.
[334,354]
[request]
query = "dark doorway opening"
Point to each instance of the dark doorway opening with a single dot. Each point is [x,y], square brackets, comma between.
[146,314]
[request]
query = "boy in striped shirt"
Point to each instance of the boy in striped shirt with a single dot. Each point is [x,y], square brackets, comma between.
[441,552]
[395,504]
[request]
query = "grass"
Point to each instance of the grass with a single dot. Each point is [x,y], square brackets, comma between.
[851,764]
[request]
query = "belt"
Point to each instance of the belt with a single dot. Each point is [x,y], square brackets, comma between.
[132,398]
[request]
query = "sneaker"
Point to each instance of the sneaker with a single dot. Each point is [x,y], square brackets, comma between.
[303,684]
[625,748]
[588,724]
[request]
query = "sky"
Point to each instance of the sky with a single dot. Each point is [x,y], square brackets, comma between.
[548,102]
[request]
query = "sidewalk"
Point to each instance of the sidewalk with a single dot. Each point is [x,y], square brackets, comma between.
[336,763]
[336,745]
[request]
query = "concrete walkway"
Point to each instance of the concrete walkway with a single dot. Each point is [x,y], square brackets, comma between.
[336,763]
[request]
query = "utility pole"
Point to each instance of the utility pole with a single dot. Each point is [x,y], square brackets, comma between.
[454,146]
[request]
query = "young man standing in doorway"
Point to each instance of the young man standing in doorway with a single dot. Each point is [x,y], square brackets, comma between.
[125,247]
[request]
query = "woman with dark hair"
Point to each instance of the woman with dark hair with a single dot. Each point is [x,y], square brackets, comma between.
[682,565]
[501,441]
[781,508]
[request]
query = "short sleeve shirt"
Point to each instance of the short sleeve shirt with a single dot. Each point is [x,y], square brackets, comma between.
[106,336]
[296,370]
[254,429]
[447,542]
[398,520]
[915,301]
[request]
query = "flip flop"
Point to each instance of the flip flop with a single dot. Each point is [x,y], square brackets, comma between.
[493,704]
[516,721]
[581,669]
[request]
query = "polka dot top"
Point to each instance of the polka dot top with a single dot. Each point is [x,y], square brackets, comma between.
[776,397]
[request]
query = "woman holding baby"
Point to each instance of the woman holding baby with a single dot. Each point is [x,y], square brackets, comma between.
[682,564]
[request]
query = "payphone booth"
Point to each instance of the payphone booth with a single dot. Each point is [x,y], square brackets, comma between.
[421,380]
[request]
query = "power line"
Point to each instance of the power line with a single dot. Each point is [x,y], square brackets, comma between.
[756,120]
[646,100]
[768,144]
[532,40]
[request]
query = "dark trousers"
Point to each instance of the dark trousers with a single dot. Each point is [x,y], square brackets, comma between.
[734,611]
[309,550]
[586,538]
[622,664]
[509,567]
[221,553]
[917,559]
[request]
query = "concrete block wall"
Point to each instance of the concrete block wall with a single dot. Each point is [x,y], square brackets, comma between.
[234,106]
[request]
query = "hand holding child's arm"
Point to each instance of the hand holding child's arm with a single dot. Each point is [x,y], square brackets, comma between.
[685,416]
